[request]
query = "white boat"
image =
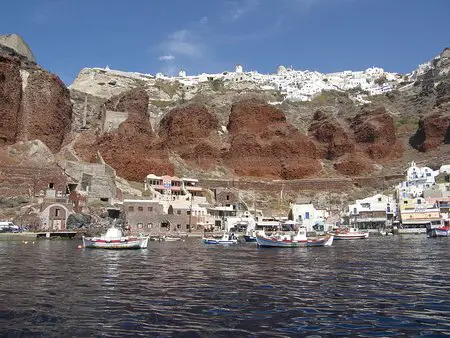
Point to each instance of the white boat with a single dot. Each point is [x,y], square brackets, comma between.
[115,239]
[226,239]
[291,241]
[349,234]
[170,239]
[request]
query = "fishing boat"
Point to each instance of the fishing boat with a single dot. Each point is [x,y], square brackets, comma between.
[115,239]
[250,236]
[441,231]
[226,239]
[170,239]
[291,241]
[349,234]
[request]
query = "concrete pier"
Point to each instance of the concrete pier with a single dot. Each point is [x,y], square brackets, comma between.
[20,236]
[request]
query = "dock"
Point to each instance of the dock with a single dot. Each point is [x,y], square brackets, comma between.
[27,236]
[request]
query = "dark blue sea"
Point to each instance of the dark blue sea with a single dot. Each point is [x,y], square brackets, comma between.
[383,286]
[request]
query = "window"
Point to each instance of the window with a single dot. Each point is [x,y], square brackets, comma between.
[178,212]
[131,209]
[140,225]
[188,212]
[150,208]
[379,199]
[306,215]
[51,185]
[405,202]
[355,211]
[57,212]
[178,226]
[140,209]
[228,197]
[419,202]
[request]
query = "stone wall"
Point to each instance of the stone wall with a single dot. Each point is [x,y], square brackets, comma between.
[31,181]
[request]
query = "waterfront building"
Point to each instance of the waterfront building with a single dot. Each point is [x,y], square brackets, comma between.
[149,217]
[373,213]
[417,179]
[417,213]
[54,211]
[308,215]
[230,212]
[171,188]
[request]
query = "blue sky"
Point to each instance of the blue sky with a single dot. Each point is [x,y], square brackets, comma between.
[153,36]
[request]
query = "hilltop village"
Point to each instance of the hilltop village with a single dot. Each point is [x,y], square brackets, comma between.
[293,85]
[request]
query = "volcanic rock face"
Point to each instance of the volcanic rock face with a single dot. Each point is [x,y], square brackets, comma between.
[10,99]
[263,144]
[434,130]
[46,109]
[375,132]
[332,139]
[133,149]
[192,132]
[34,104]
[354,164]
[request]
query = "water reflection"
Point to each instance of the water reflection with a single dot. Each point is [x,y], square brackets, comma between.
[383,286]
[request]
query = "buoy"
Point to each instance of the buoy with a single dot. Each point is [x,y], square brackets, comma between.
[79,246]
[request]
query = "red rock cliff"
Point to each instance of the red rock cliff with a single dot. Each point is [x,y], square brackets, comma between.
[42,110]
[263,144]
[191,131]
[133,149]
[10,99]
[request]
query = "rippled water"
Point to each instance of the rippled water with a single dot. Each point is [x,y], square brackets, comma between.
[382,286]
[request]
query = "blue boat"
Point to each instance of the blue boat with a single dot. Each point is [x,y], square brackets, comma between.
[226,239]
[250,236]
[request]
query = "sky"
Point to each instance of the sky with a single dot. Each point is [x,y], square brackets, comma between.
[211,36]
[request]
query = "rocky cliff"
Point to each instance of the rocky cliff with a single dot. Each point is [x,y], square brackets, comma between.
[34,104]
[229,125]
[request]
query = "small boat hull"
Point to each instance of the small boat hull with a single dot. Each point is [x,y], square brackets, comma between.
[438,233]
[116,244]
[351,236]
[271,242]
[219,241]
[249,238]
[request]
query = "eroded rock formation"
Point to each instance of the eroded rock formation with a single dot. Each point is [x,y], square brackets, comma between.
[433,131]
[375,133]
[10,99]
[34,104]
[332,139]
[263,144]
[133,149]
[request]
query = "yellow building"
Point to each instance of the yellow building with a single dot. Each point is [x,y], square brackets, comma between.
[417,213]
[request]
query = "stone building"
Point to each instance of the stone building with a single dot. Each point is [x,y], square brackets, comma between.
[148,216]
[226,196]
[53,215]
[96,180]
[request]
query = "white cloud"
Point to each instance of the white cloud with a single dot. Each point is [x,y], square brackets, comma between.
[166,57]
[183,42]
[241,8]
